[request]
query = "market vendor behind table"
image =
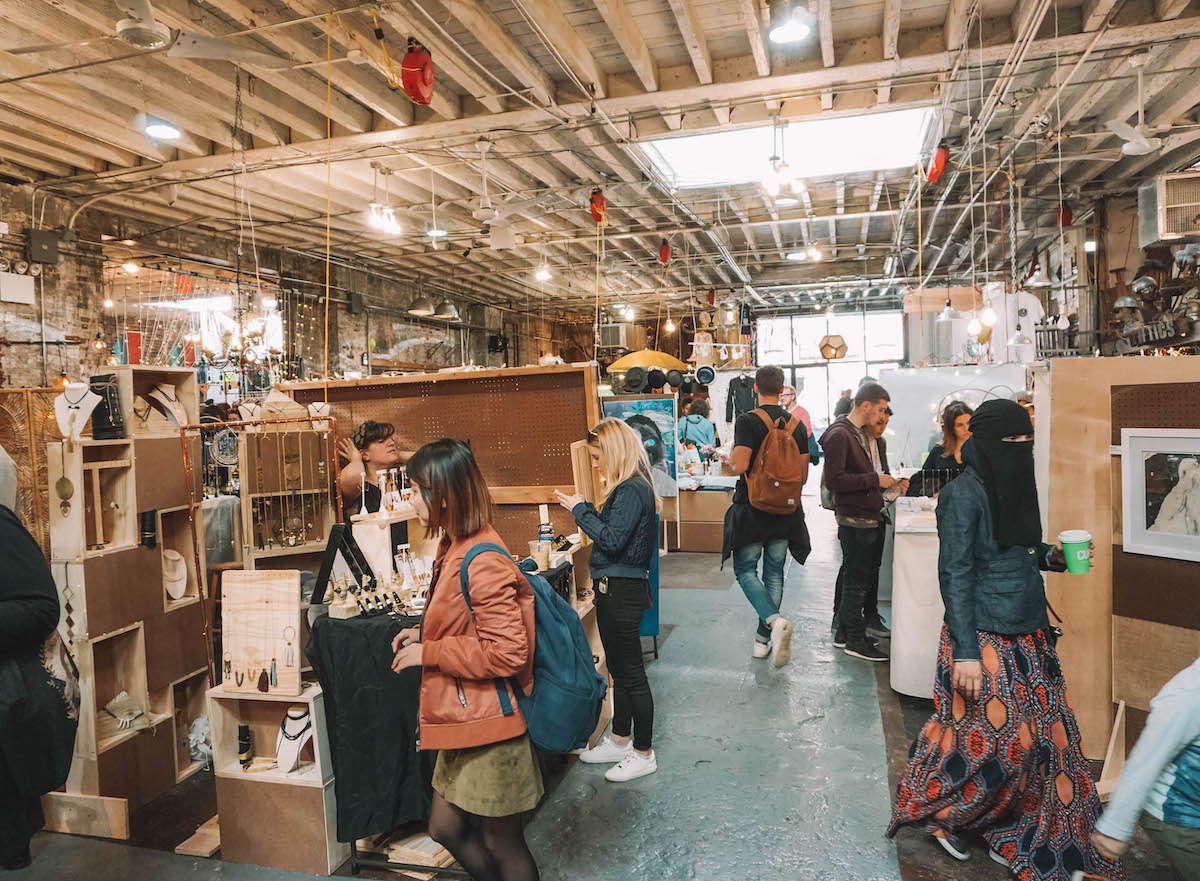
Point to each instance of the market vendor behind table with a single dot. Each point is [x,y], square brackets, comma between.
[370,450]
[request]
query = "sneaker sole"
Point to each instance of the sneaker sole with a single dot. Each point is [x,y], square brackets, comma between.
[852,653]
[879,634]
[997,858]
[783,649]
[840,645]
[594,761]
[948,848]
[637,776]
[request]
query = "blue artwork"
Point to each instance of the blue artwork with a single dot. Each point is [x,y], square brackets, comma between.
[653,418]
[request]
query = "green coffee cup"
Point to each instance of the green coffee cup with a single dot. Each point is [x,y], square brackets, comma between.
[1077,548]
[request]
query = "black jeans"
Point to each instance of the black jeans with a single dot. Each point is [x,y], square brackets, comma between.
[859,577]
[619,615]
[871,601]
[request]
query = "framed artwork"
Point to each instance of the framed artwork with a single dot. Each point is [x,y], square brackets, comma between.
[1160,492]
[653,418]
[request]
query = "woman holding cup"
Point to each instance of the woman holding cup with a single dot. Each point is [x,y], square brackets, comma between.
[1002,753]
[624,529]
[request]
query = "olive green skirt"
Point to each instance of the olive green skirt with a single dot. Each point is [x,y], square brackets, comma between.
[497,780]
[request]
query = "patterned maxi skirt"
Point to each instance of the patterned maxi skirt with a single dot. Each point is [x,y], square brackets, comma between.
[1008,765]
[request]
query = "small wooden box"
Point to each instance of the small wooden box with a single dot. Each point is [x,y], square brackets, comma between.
[140,380]
[704,506]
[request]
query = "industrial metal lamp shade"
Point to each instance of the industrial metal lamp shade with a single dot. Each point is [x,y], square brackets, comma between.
[421,306]
[833,346]
[789,22]
[447,311]
[947,314]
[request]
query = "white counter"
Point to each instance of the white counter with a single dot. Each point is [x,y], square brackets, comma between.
[917,609]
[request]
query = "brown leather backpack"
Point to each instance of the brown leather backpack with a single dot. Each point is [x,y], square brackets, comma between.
[775,479]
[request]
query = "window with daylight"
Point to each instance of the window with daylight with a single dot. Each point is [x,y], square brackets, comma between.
[814,148]
[874,341]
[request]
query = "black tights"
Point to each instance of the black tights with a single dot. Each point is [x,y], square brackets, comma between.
[493,849]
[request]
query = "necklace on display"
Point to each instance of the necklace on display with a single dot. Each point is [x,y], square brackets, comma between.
[289,658]
[75,404]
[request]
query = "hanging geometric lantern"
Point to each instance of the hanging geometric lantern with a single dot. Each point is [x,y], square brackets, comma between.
[937,164]
[833,346]
[598,207]
[664,253]
[416,73]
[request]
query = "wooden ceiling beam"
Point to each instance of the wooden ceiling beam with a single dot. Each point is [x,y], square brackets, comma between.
[491,33]
[955,25]
[12,136]
[1095,14]
[692,32]
[35,160]
[629,37]
[823,10]
[752,21]
[53,133]
[546,17]
[891,27]
[363,84]
[1168,9]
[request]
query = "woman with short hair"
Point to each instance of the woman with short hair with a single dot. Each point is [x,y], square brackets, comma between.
[696,429]
[625,530]
[470,655]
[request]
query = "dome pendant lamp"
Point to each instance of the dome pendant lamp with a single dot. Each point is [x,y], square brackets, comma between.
[789,22]
[422,306]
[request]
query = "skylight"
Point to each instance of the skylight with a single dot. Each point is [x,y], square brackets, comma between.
[812,149]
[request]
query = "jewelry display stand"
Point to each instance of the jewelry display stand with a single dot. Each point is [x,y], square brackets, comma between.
[174,388]
[73,408]
[260,616]
[270,816]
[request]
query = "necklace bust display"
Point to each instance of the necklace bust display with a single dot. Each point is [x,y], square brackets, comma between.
[73,408]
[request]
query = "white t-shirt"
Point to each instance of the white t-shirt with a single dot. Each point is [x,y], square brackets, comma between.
[1020,307]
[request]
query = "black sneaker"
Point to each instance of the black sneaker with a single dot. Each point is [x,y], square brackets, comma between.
[952,844]
[864,648]
[839,638]
[877,629]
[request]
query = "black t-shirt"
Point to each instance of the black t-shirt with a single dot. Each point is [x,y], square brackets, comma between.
[750,431]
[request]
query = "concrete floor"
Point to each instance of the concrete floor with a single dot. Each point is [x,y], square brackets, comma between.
[763,774]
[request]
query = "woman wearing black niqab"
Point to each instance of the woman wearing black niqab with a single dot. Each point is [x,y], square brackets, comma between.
[1002,754]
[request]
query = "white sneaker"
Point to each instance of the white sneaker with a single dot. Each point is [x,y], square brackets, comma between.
[605,753]
[633,766]
[760,650]
[781,642]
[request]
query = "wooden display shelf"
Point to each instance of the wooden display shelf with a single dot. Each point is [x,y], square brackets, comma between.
[108,665]
[138,379]
[290,492]
[309,547]
[101,513]
[175,534]
[306,775]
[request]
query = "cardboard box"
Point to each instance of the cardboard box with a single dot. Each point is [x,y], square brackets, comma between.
[704,505]
[697,537]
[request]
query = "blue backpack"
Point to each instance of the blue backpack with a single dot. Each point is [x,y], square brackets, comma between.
[564,707]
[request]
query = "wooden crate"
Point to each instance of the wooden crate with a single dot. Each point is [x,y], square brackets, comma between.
[102,511]
[227,709]
[135,380]
[175,533]
[183,702]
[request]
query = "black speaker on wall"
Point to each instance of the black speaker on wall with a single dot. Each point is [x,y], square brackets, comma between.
[355,304]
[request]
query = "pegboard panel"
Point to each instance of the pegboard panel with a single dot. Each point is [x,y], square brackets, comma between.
[1155,405]
[518,525]
[520,424]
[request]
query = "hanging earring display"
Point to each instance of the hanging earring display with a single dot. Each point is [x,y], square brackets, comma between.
[274,677]
[63,487]
[289,657]
[228,663]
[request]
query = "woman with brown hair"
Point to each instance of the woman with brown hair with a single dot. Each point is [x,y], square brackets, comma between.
[486,766]
[944,462]
[624,529]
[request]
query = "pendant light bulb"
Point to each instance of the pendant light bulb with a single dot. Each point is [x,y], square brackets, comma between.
[543,273]
[63,381]
[787,24]
[988,316]
[814,253]
[1038,279]
[130,267]
[98,343]
[774,177]
[948,313]
[669,327]
[629,313]
[108,304]
[1019,338]
[730,315]
[375,217]
[974,327]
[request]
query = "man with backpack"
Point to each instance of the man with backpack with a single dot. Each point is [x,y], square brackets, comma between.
[857,484]
[766,520]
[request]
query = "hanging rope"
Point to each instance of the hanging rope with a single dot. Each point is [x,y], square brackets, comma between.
[328,186]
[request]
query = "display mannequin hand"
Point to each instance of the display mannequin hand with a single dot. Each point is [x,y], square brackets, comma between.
[408,634]
[1109,848]
[409,656]
[347,449]
[968,679]
[569,502]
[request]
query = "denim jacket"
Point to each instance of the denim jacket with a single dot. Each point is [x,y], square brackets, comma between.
[985,587]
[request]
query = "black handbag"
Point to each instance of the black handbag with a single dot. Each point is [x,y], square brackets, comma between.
[107,421]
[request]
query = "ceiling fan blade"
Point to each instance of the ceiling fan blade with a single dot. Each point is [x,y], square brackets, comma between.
[189,44]
[54,47]
[1122,130]
[139,9]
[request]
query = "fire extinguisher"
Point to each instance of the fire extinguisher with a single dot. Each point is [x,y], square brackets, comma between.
[937,164]
[598,207]
[664,253]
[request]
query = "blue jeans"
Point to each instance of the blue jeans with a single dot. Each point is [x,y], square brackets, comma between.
[766,593]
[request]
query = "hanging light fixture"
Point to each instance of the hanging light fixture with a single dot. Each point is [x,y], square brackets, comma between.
[814,253]
[795,256]
[130,267]
[988,316]
[446,311]
[947,314]
[1039,279]
[422,305]
[789,22]
[730,315]
[63,381]
[669,327]
[974,326]
[98,343]
[108,304]
[543,273]
[629,313]
[1019,338]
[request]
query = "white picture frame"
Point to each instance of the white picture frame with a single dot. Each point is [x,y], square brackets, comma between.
[1160,492]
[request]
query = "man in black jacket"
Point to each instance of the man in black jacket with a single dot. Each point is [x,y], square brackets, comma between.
[857,487]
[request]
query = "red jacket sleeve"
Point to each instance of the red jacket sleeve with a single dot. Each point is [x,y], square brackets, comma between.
[501,646]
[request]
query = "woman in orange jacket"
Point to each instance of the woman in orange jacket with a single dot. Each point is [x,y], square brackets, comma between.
[486,764]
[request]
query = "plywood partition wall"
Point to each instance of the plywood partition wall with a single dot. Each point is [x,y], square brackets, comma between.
[1073,401]
[520,423]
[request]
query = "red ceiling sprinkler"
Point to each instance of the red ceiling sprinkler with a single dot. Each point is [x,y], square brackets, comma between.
[1065,215]
[664,253]
[416,73]
[937,165]
[598,207]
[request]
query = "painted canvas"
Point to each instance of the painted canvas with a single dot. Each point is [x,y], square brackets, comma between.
[653,418]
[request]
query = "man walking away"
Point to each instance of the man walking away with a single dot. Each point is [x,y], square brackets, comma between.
[857,487]
[765,520]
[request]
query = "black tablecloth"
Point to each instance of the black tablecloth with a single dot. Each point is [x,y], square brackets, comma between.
[382,781]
